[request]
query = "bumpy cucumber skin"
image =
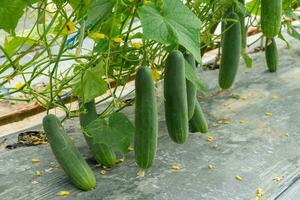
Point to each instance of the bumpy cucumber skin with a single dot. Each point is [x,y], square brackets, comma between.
[67,154]
[176,111]
[271,11]
[191,90]
[146,124]
[271,54]
[198,122]
[231,49]
[103,154]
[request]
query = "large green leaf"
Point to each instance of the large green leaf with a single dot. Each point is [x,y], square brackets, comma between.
[116,132]
[98,9]
[175,24]
[91,85]
[11,45]
[10,13]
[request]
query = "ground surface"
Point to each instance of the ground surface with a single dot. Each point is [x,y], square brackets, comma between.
[248,142]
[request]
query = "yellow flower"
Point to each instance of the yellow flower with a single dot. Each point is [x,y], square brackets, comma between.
[260,192]
[243,97]
[63,193]
[209,138]
[275,97]
[146,2]
[38,173]
[98,35]
[239,178]
[69,28]
[119,104]
[19,85]
[130,149]
[269,114]
[118,40]
[136,45]
[210,166]
[155,74]
[35,160]
[226,121]
[176,167]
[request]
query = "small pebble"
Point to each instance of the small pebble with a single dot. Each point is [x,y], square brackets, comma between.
[38,173]
[141,173]
[103,172]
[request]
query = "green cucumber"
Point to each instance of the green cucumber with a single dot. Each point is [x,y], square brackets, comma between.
[231,49]
[243,28]
[102,153]
[191,90]
[198,122]
[146,125]
[271,11]
[176,109]
[271,54]
[68,155]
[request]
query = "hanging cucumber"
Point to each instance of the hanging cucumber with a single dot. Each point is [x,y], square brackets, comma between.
[243,28]
[191,90]
[198,122]
[176,111]
[271,11]
[145,138]
[231,49]
[67,154]
[271,54]
[102,153]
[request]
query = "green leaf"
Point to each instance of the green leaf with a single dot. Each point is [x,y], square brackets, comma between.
[191,75]
[10,13]
[11,45]
[247,59]
[91,85]
[253,7]
[116,132]
[280,36]
[291,14]
[292,31]
[98,9]
[175,24]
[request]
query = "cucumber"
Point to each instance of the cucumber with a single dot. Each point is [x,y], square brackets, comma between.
[102,153]
[198,122]
[271,11]
[68,155]
[176,111]
[271,54]
[231,49]
[191,90]
[146,124]
[243,28]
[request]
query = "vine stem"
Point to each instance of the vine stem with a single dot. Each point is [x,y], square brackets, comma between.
[81,38]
